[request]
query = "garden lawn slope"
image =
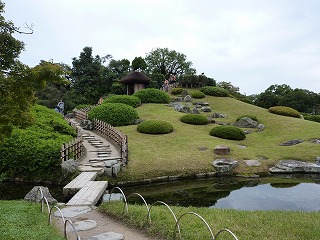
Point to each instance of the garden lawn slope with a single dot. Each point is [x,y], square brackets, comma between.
[189,148]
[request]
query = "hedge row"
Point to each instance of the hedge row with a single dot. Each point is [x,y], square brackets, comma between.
[285,111]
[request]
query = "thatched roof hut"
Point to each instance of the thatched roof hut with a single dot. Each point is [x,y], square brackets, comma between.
[135,81]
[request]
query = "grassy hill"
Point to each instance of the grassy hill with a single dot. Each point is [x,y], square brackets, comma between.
[181,152]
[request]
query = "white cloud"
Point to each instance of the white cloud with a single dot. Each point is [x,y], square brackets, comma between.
[252,43]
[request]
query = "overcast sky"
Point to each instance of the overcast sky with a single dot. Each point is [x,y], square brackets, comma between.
[250,43]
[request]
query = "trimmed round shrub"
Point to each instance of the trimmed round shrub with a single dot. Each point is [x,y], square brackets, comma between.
[116,114]
[152,95]
[129,100]
[176,91]
[285,111]
[215,91]
[155,127]
[195,119]
[198,94]
[228,132]
[254,118]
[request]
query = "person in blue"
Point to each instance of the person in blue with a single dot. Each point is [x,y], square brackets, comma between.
[61,106]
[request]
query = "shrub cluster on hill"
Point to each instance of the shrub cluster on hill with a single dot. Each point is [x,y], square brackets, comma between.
[115,114]
[228,132]
[310,117]
[34,152]
[176,91]
[198,94]
[152,95]
[126,99]
[285,111]
[215,91]
[155,127]
[195,119]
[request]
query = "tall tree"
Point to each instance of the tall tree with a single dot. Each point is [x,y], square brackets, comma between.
[18,82]
[87,77]
[166,62]
[10,48]
[138,63]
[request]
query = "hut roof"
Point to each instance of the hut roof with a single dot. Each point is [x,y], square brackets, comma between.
[135,77]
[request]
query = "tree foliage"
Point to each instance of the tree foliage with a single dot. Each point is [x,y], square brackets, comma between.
[166,62]
[18,82]
[87,77]
[10,48]
[138,63]
[283,95]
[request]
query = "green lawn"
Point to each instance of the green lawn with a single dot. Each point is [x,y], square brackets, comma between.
[24,221]
[178,153]
[246,225]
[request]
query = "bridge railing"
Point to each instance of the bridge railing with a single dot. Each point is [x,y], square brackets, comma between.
[72,150]
[118,138]
[81,114]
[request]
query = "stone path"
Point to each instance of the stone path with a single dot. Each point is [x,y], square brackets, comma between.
[94,225]
[90,223]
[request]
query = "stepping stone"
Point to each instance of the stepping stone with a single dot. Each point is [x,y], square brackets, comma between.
[104,155]
[107,236]
[82,225]
[91,169]
[69,212]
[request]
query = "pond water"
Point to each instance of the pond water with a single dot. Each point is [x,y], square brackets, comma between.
[277,193]
[283,192]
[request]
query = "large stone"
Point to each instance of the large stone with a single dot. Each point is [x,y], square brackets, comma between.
[224,165]
[222,150]
[246,123]
[294,166]
[69,166]
[187,98]
[291,142]
[219,115]
[252,163]
[206,109]
[35,195]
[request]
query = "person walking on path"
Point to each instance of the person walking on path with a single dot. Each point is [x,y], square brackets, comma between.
[61,106]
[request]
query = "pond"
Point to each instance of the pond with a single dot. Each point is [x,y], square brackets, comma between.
[281,192]
[277,193]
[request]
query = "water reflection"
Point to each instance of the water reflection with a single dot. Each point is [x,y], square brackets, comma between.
[281,193]
[302,197]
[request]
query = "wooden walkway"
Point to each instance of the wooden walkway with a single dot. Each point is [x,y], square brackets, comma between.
[88,191]
[89,194]
[79,182]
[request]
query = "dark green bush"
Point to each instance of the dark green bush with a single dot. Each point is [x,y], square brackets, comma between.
[34,153]
[152,95]
[176,91]
[285,111]
[254,118]
[155,127]
[129,100]
[314,118]
[228,132]
[116,114]
[195,119]
[198,94]
[215,91]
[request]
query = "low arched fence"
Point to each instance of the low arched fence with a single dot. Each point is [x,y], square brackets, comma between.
[43,200]
[176,227]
